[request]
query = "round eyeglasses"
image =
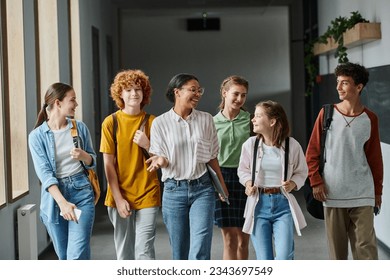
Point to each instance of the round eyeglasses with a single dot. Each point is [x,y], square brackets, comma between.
[194,91]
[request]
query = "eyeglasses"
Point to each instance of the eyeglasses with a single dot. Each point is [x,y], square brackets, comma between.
[199,91]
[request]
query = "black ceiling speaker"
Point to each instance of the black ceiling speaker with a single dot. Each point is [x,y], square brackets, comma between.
[203,24]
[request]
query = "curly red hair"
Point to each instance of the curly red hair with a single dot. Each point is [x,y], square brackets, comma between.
[127,79]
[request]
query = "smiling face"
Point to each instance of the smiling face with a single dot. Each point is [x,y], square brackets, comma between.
[347,88]
[188,96]
[262,124]
[68,104]
[235,97]
[132,97]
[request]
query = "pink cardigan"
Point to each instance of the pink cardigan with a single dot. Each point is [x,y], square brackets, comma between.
[297,172]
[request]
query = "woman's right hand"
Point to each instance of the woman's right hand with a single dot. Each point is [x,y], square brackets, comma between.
[156,162]
[67,210]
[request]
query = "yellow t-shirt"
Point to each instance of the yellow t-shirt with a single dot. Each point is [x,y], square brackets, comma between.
[138,186]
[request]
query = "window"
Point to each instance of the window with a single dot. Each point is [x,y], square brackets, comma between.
[2,155]
[14,100]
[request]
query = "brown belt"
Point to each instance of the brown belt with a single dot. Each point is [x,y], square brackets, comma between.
[269,190]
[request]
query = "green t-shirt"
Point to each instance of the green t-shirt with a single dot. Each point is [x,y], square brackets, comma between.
[231,135]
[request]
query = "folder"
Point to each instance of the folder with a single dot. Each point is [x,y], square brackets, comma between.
[217,184]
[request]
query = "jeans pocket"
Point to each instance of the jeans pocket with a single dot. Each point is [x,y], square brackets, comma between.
[170,185]
[81,182]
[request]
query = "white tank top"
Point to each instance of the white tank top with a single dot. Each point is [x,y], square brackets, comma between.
[271,167]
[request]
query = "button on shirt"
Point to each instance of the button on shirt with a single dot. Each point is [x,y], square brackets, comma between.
[187,144]
[231,135]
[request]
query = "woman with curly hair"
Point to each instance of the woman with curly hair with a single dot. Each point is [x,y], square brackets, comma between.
[133,193]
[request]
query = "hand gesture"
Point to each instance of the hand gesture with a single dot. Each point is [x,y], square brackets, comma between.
[141,139]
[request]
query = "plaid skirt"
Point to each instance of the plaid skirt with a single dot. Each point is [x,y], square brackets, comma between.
[231,215]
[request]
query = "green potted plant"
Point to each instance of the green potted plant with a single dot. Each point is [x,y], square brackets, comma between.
[335,31]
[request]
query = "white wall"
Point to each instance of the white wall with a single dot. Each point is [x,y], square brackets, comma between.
[253,43]
[370,55]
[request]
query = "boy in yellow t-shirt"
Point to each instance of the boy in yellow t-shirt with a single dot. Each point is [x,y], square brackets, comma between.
[133,195]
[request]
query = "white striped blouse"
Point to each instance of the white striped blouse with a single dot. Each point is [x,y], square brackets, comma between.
[187,144]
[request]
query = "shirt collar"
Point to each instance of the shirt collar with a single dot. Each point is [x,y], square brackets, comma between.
[177,118]
[221,118]
[46,128]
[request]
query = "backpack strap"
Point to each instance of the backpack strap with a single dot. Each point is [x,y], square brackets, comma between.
[328,113]
[142,126]
[115,120]
[74,133]
[254,159]
[286,152]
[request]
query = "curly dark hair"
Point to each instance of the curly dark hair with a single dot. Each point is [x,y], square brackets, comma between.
[358,73]
[130,78]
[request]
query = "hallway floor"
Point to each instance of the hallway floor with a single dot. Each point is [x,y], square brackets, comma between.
[310,246]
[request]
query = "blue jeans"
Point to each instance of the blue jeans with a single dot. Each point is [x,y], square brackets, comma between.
[188,213]
[273,224]
[71,240]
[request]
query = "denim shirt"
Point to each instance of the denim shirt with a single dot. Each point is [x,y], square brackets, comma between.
[42,148]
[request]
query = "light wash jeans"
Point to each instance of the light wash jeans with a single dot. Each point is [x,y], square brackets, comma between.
[134,236]
[188,213]
[71,240]
[273,225]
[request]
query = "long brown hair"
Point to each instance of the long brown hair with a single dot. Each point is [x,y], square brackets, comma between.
[54,92]
[275,111]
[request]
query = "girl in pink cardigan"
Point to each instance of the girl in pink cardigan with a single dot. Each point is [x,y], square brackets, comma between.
[271,211]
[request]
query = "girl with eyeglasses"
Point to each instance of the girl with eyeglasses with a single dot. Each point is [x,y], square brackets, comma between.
[183,141]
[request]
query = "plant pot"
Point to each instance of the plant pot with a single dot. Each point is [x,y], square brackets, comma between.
[320,48]
[361,33]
